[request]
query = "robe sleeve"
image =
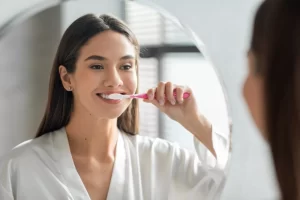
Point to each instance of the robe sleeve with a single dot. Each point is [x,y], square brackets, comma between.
[221,146]
[5,182]
[200,175]
[4,194]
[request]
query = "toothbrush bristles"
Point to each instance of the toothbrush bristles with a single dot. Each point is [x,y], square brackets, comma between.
[115,96]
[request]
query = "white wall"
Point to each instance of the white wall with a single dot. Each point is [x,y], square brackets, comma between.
[224,27]
[10,8]
[26,55]
[14,11]
[74,9]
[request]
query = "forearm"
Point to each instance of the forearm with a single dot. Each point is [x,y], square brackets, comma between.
[201,128]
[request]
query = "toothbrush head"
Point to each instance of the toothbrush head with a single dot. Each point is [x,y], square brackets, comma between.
[115,96]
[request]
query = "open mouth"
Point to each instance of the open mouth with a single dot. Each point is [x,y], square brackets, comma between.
[105,96]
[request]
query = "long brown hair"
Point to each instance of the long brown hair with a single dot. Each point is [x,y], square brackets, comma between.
[60,101]
[276,45]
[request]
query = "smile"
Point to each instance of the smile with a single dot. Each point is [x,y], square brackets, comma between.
[102,97]
[105,96]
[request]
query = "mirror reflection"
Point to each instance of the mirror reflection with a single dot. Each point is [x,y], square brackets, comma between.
[82,132]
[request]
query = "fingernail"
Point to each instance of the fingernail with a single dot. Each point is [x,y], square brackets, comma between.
[173,102]
[161,102]
[150,97]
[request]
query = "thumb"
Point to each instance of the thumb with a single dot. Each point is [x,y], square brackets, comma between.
[154,102]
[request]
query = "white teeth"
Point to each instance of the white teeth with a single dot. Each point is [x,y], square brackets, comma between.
[105,96]
[111,96]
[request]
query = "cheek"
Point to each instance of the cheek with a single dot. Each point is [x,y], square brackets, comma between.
[253,94]
[246,90]
[130,82]
[85,81]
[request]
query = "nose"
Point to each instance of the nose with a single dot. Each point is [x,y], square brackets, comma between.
[112,78]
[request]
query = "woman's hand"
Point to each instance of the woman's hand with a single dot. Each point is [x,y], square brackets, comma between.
[184,111]
[176,108]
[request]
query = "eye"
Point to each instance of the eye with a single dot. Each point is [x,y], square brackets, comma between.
[96,67]
[126,67]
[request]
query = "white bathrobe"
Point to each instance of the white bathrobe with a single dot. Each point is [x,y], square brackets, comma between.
[144,169]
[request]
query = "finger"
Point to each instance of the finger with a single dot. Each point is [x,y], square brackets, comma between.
[160,93]
[169,93]
[179,94]
[154,102]
[150,94]
[146,100]
[188,90]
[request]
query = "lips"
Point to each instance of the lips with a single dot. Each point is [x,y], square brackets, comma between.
[112,92]
[109,101]
[108,93]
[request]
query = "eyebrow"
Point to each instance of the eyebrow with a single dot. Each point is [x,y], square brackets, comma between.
[101,58]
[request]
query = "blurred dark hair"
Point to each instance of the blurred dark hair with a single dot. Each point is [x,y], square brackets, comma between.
[60,101]
[276,46]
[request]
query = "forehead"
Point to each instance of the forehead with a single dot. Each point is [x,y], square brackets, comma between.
[108,44]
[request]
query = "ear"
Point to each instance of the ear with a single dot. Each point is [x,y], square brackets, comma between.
[65,77]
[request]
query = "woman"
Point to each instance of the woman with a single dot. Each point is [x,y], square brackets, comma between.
[87,146]
[272,88]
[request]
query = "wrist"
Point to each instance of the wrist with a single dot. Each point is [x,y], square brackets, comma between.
[197,125]
[201,128]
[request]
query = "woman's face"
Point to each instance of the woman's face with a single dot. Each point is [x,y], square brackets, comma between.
[106,64]
[254,94]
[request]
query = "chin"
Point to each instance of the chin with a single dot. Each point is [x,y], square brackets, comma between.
[110,114]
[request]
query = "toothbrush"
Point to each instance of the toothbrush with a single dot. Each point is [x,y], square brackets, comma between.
[117,96]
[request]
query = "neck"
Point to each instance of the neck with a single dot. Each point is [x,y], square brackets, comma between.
[91,137]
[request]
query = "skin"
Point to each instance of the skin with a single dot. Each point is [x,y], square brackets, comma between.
[92,131]
[184,111]
[253,94]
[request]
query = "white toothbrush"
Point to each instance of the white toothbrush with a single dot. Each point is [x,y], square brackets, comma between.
[117,96]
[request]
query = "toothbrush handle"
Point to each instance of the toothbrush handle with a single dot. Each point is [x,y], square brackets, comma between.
[185,95]
[145,96]
[140,96]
